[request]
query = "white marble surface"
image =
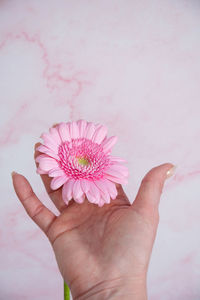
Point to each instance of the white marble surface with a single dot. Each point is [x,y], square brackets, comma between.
[131,65]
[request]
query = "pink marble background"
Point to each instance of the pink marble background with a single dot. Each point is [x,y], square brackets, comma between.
[131,65]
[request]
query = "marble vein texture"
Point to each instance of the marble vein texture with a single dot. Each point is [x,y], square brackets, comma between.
[131,65]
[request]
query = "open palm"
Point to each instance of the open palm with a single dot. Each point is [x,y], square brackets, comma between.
[95,247]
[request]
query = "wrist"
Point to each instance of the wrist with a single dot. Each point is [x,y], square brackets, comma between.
[126,288]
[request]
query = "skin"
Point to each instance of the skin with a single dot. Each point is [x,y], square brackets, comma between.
[101,252]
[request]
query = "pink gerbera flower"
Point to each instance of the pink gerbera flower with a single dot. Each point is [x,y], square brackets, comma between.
[77,156]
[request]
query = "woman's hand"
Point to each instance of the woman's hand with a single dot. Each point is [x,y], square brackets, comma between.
[102,252]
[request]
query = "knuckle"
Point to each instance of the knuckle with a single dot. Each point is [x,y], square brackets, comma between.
[31,194]
[37,211]
[147,181]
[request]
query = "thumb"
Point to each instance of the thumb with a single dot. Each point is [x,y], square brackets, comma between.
[148,196]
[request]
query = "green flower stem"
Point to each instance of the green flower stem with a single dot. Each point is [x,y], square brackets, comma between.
[66,292]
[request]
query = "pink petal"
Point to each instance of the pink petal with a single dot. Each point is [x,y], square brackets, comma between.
[40,171]
[55,135]
[117,159]
[57,182]
[100,134]
[101,184]
[104,190]
[119,169]
[109,143]
[49,142]
[105,196]
[63,129]
[42,148]
[116,179]
[85,185]
[112,172]
[90,130]
[40,157]
[90,197]
[94,190]
[67,190]
[111,188]
[74,130]
[51,146]
[77,190]
[65,199]
[47,151]
[48,137]
[56,172]
[101,203]
[48,163]
[82,124]
[81,199]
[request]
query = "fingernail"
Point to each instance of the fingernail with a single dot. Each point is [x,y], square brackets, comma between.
[171,172]
[13,173]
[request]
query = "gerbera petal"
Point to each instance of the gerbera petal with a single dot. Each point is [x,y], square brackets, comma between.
[117,159]
[100,134]
[49,142]
[120,169]
[116,179]
[40,157]
[74,130]
[90,130]
[111,188]
[101,202]
[109,143]
[56,172]
[82,124]
[55,135]
[94,190]
[64,193]
[57,182]
[51,146]
[42,148]
[100,184]
[104,192]
[40,171]
[111,171]
[85,185]
[48,137]
[77,190]
[105,196]
[63,129]
[67,190]
[47,151]
[90,197]
[48,163]
[81,199]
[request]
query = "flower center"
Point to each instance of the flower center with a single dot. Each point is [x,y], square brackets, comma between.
[82,158]
[83,161]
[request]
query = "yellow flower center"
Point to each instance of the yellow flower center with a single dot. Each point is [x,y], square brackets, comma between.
[83,161]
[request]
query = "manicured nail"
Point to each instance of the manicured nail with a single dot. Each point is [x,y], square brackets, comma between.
[171,172]
[13,173]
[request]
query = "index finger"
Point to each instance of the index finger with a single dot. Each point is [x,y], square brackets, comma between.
[39,213]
